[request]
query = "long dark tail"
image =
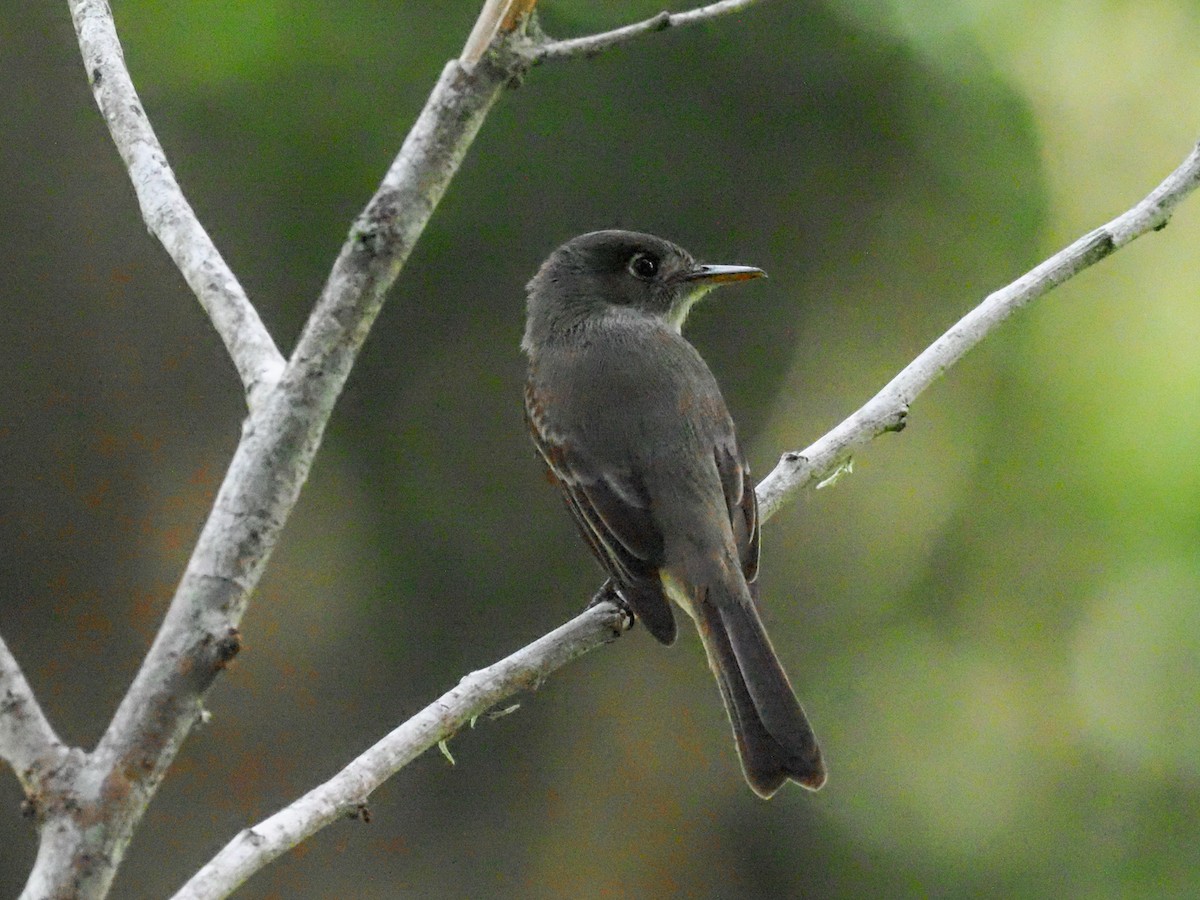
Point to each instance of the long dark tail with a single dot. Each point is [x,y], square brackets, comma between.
[773,736]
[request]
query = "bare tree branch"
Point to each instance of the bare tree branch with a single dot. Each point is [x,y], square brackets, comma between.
[347,792]
[886,411]
[27,741]
[254,847]
[89,813]
[166,211]
[593,44]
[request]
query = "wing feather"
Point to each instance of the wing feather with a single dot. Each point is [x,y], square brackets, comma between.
[612,511]
[742,502]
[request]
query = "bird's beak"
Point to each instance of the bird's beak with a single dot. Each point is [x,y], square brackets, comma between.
[715,275]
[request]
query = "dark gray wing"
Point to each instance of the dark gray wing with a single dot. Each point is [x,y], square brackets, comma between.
[742,503]
[612,512]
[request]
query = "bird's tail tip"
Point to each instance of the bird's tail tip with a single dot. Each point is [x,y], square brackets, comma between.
[766,780]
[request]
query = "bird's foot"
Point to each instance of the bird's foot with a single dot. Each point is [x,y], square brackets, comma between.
[608,593]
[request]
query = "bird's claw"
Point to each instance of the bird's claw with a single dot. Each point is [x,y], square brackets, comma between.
[608,593]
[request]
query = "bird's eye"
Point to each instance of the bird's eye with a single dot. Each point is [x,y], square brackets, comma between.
[643,265]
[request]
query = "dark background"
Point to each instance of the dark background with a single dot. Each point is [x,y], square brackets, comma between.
[994,622]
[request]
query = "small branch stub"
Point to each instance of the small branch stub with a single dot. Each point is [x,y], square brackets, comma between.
[496,18]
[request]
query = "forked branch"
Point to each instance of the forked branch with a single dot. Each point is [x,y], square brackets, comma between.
[88,814]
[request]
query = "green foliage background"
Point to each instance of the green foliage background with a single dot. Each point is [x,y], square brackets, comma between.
[994,623]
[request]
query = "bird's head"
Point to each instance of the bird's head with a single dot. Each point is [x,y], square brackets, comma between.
[590,274]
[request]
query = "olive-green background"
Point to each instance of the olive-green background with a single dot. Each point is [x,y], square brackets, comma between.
[994,622]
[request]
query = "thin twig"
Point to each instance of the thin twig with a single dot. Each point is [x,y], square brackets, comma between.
[349,789]
[347,792]
[887,410]
[27,741]
[592,44]
[166,211]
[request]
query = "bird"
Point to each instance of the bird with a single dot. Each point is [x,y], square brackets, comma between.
[633,429]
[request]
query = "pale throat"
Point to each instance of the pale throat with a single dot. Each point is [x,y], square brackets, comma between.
[678,312]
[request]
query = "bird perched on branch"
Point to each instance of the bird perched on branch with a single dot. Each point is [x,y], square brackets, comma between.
[634,430]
